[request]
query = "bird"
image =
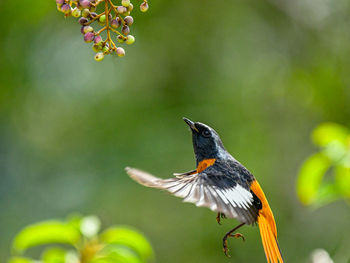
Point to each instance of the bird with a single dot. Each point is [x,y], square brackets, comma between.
[222,184]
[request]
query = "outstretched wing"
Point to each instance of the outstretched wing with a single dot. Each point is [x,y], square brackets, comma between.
[219,193]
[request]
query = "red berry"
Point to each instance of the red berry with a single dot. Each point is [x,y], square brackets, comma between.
[65,8]
[83,21]
[89,37]
[98,39]
[84,3]
[122,9]
[120,51]
[129,20]
[125,30]
[115,23]
[144,7]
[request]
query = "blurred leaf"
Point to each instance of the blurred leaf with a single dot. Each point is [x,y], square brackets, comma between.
[310,177]
[328,132]
[130,238]
[335,151]
[20,260]
[72,257]
[326,194]
[54,255]
[117,254]
[345,161]
[90,225]
[75,220]
[45,233]
[342,180]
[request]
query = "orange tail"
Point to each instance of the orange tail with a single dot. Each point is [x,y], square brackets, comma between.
[267,227]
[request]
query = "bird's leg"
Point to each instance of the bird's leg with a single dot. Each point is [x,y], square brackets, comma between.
[231,234]
[219,216]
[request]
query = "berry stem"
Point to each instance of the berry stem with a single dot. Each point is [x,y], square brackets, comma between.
[95,18]
[109,40]
[116,11]
[117,32]
[100,31]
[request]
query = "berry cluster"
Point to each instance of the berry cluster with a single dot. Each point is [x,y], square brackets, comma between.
[109,17]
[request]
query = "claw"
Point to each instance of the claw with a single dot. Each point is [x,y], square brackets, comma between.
[230,234]
[226,250]
[237,235]
[218,218]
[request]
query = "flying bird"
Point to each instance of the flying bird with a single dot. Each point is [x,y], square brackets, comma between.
[222,184]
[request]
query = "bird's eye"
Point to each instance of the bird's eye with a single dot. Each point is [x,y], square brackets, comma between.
[206,133]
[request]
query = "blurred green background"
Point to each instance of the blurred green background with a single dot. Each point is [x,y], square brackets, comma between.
[262,73]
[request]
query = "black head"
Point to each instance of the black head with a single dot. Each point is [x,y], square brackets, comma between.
[206,142]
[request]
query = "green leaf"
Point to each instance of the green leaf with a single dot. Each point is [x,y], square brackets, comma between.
[45,233]
[20,260]
[54,255]
[310,177]
[74,219]
[335,151]
[329,132]
[117,254]
[342,180]
[326,194]
[130,238]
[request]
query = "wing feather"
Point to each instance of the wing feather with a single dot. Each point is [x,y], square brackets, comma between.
[218,193]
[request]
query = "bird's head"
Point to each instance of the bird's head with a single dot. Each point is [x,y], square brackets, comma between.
[206,142]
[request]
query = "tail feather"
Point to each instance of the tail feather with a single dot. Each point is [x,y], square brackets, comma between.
[266,246]
[269,240]
[267,227]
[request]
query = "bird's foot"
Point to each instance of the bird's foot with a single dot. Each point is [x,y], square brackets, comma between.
[224,241]
[219,216]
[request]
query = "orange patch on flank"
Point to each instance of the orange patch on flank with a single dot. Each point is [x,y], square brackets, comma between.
[205,164]
[267,227]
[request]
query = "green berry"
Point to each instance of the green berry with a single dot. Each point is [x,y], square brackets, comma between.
[120,52]
[96,48]
[105,50]
[85,13]
[102,19]
[99,56]
[130,7]
[125,3]
[76,12]
[121,39]
[130,39]
[87,29]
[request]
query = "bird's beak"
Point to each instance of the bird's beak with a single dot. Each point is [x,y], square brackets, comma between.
[191,124]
